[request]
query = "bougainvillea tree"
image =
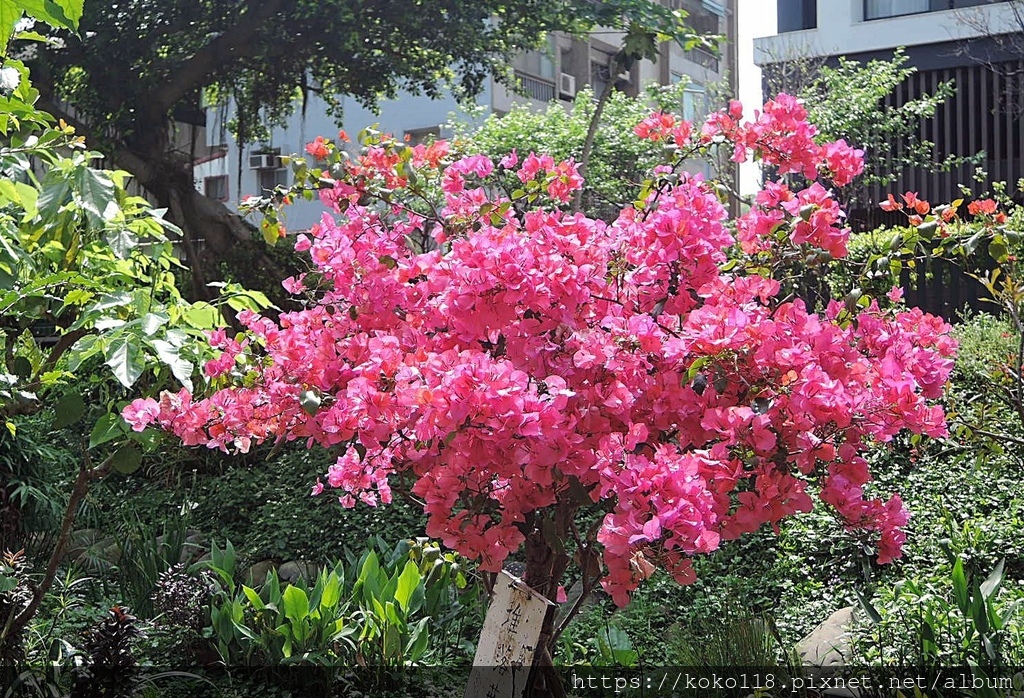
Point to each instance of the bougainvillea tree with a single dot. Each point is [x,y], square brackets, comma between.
[612,396]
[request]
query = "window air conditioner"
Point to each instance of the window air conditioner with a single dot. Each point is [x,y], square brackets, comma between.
[263,161]
[566,85]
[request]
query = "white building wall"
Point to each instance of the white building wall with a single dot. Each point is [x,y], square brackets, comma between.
[842,30]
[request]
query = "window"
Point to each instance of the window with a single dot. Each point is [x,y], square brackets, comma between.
[954,4]
[703,21]
[536,63]
[707,23]
[268,179]
[600,74]
[216,187]
[695,102]
[796,15]
[879,9]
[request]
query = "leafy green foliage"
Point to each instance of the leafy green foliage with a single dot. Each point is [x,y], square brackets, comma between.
[144,58]
[958,622]
[619,161]
[849,101]
[85,269]
[373,611]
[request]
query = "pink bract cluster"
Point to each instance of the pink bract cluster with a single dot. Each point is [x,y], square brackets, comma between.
[534,358]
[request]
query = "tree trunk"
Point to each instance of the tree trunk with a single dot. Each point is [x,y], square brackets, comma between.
[546,563]
[212,234]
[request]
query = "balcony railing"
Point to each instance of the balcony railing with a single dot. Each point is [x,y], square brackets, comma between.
[536,88]
[705,59]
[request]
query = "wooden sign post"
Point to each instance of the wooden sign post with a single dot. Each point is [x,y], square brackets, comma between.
[508,640]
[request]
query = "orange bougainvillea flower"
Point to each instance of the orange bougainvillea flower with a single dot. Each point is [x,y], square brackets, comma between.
[982,206]
[920,205]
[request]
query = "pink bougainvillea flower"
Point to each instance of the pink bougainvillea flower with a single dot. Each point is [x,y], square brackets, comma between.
[519,362]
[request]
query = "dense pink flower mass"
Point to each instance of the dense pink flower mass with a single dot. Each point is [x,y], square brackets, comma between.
[531,358]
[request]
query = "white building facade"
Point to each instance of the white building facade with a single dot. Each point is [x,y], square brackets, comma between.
[972,42]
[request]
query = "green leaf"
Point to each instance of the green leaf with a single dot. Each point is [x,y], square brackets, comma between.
[127,459]
[332,591]
[10,13]
[927,229]
[31,36]
[249,300]
[253,597]
[960,591]
[68,410]
[124,356]
[869,609]
[60,14]
[407,584]
[309,401]
[369,577]
[392,642]
[84,348]
[296,603]
[418,640]
[991,584]
[108,427]
[169,355]
[53,196]
[151,322]
[998,249]
[202,316]
[22,367]
[122,241]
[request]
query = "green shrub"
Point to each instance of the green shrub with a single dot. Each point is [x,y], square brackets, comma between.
[380,609]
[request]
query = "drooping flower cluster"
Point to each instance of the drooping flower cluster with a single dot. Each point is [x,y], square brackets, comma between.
[529,359]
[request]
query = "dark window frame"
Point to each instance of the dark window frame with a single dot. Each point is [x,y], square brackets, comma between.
[208,181]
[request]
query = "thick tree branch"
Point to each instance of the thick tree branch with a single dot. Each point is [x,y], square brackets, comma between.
[237,42]
[588,143]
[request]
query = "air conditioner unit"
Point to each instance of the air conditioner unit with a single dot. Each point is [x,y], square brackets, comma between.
[264,161]
[566,85]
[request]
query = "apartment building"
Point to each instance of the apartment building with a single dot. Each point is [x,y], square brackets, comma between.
[972,42]
[556,72]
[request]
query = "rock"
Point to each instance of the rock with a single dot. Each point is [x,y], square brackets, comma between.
[194,547]
[108,549]
[257,573]
[80,541]
[293,571]
[828,645]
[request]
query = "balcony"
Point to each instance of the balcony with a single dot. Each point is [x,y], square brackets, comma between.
[703,58]
[536,88]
